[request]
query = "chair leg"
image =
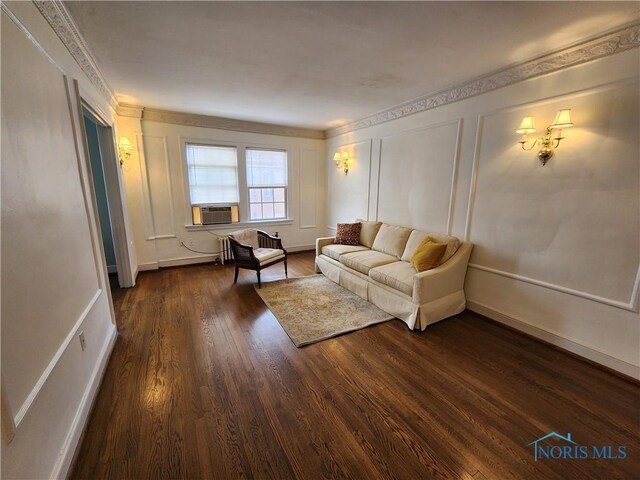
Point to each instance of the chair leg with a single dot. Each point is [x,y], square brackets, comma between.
[258,273]
[286,273]
[235,278]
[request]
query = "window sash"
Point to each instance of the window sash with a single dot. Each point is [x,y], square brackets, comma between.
[273,207]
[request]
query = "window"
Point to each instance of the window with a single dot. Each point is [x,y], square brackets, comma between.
[267,183]
[213,174]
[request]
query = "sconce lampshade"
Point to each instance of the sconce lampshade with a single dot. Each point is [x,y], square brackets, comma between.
[125,144]
[337,158]
[563,119]
[526,126]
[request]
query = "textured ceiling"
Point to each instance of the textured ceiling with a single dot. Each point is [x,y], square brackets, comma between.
[319,64]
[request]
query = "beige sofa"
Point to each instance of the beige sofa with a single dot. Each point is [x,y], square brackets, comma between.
[379,270]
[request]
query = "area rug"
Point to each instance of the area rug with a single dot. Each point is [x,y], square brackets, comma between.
[314,308]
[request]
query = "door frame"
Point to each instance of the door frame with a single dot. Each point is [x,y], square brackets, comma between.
[115,193]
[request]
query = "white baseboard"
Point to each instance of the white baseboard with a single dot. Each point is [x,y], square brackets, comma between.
[61,468]
[142,267]
[573,347]
[301,248]
[176,262]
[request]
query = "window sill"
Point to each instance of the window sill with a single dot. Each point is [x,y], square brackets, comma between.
[239,225]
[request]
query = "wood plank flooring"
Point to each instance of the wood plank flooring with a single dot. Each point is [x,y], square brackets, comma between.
[204,383]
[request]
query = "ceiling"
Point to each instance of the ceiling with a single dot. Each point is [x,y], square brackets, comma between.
[319,64]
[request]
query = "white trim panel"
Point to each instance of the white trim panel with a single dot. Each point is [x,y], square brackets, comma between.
[31,398]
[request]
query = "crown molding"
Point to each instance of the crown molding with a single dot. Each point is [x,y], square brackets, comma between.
[195,120]
[128,110]
[58,17]
[602,46]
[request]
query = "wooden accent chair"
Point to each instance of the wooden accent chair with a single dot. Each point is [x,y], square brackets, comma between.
[255,250]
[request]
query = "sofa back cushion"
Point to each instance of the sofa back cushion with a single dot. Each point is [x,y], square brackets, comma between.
[391,239]
[368,232]
[416,238]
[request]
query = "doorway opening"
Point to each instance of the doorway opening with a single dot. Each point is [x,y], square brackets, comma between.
[108,200]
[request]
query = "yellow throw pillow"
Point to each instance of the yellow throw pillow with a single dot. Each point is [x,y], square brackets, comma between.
[427,255]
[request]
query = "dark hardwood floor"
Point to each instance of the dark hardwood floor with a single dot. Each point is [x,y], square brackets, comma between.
[204,383]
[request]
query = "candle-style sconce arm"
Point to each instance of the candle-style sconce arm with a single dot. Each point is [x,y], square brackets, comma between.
[547,143]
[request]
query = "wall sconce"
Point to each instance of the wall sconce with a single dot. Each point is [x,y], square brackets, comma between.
[563,120]
[342,161]
[124,149]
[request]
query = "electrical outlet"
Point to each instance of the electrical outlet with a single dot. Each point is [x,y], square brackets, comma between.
[83,341]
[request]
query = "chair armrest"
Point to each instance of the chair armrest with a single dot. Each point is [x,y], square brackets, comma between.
[323,242]
[269,241]
[444,280]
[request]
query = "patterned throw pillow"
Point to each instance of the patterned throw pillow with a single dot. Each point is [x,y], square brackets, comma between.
[348,234]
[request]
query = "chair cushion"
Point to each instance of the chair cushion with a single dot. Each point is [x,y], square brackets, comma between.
[348,233]
[368,232]
[416,238]
[248,236]
[334,250]
[266,255]
[428,255]
[391,239]
[366,260]
[397,275]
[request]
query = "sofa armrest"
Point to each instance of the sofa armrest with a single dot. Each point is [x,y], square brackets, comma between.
[323,242]
[444,280]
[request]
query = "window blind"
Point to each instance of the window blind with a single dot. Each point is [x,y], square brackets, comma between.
[213,174]
[266,168]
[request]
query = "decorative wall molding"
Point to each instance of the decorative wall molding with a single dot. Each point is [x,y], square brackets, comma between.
[127,110]
[35,391]
[602,46]
[10,15]
[353,146]
[630,305]
[454,176]
[58,17]
[195,120]
[163,166]
[458,122]
[301,197]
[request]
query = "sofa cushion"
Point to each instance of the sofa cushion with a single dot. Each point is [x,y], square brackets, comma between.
[397,275]
[368,232]
[335,250]
[428,254]
[416,238]
[348,233]
[366,260]
[391,239]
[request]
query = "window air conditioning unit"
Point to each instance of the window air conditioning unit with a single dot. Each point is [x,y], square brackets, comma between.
[215,214]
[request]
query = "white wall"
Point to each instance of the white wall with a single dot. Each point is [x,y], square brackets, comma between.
[557,248]
[54,283]
[158,199]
